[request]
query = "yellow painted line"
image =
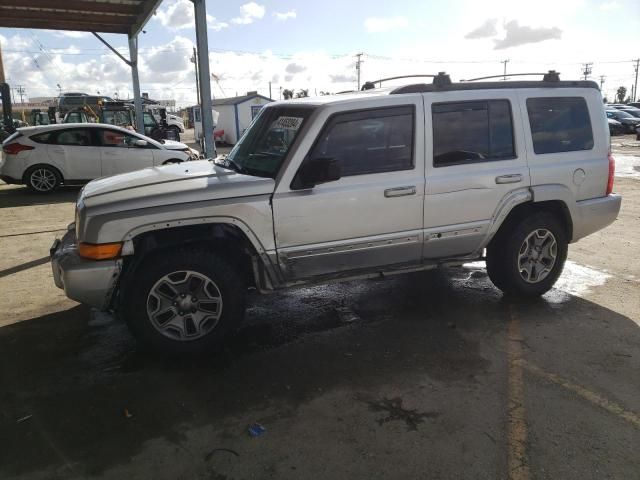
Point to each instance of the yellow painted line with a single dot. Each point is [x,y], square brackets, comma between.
[518,463]
[585,393]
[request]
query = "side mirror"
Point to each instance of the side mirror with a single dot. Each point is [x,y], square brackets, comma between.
[140,143]
[317,170]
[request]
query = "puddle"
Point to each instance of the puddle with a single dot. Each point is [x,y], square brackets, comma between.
[576,280]
[627,165]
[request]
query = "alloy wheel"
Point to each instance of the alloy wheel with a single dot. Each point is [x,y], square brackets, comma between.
[537,255]
[43,180]
[184,305]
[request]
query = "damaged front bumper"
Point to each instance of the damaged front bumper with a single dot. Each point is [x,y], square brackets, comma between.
[90,282]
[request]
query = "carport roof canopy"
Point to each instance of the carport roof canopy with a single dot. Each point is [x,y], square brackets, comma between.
[104,16]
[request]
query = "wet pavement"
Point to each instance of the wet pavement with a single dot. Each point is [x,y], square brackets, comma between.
[424,375]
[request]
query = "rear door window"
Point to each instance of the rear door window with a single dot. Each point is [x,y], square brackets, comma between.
[470,132]
[559,124]
[78,137]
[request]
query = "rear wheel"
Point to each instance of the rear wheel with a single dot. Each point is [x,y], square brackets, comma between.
[183,302]
[529,257]
[43,179]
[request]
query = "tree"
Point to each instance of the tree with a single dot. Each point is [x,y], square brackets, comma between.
[620,94]
[302,93]
[287,94]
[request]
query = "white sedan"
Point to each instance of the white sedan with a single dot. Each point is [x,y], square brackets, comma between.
[45,157]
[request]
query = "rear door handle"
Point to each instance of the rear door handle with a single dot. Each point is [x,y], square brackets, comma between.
[515,178]
[399,191]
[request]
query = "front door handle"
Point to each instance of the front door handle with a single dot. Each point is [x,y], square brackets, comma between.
[515,178]
[399,191]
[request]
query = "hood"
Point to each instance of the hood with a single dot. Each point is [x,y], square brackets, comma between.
[169,184]
[173,145]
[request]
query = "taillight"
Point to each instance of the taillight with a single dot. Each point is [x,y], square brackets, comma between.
[612,170]
[15,148]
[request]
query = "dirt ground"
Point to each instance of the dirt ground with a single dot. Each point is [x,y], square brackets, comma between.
[426,375]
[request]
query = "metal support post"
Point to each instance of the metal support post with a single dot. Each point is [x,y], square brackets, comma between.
[137,99]
[202,42]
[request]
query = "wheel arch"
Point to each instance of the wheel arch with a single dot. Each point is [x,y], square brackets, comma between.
[27,171]
[229,239]
[556,207]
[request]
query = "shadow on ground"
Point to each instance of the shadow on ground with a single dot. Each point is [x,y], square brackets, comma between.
[22,196]
[72,374]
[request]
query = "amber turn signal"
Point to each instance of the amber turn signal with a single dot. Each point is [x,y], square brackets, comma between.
[99,251]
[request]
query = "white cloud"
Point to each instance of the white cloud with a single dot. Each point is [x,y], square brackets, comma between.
[176,15]
[249,12]
[385,24]
[172,57]
[294,68]
[285,15]
[517,34]
[214,24]
[487,29]
[70,34]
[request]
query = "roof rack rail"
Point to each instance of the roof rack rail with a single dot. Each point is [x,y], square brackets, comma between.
[550,76]
[439,80]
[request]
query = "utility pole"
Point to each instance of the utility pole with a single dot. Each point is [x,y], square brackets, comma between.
[280,98]
[60,89]
[635,89]
[194,60]
[587,69]
[359,63]
[270,89]
[602,77]
[21,91]
[1,67]
[504,62]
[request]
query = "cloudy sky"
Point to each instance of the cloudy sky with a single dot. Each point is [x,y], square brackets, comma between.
[312,45]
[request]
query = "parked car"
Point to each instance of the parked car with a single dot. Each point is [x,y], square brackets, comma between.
[615,127]
[45,157]
[347,186]
[629,122]
[630,110]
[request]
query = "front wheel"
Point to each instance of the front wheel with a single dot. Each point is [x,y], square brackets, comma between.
[528,259]
[183,302]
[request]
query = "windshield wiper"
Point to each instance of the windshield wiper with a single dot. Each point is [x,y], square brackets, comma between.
[229,164]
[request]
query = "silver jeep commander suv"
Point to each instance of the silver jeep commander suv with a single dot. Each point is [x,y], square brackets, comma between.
[346,186]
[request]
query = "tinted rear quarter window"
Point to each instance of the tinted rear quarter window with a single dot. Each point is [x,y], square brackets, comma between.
[559,124]
[42,137]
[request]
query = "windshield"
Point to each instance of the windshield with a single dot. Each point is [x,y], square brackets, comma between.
[622,114]
[265,144]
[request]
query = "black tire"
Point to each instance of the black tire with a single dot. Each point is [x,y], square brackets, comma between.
[503,255]
[42,179]
[176,132]
[136,298]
